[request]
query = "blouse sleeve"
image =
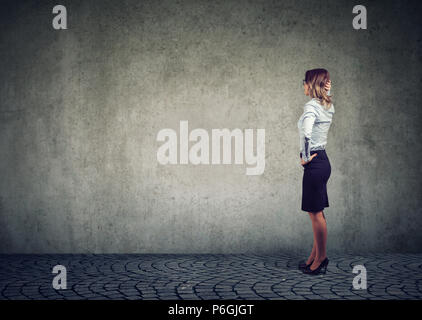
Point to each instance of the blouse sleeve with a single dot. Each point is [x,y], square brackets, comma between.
[309,117]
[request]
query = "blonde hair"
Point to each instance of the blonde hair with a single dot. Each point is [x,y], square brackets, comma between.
[316,80]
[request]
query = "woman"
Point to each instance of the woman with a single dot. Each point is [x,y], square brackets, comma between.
[313,126]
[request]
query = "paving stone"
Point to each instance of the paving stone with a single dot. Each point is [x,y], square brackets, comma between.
[207,276]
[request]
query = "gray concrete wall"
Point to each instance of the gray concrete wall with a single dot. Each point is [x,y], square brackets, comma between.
[80,110]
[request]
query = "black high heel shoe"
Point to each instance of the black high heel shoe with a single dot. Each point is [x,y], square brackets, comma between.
[322,268]
[303,265]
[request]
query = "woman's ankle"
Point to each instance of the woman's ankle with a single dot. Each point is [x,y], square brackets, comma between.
[321,258]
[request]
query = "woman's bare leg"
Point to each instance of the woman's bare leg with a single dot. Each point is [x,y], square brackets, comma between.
[319,227]
[313,252]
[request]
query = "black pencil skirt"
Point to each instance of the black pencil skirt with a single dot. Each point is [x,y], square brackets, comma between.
[314,184]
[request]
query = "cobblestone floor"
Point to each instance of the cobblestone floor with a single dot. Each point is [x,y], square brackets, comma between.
[207,276]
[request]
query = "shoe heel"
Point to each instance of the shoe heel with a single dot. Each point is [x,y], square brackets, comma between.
[325,267]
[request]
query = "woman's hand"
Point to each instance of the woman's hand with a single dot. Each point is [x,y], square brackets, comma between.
[302,162]
[328,85]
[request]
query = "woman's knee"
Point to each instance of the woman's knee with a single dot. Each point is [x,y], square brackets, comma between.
[316,215]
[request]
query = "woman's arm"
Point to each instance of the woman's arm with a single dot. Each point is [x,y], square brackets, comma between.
[309,117]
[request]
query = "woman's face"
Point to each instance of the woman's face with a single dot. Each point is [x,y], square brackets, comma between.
[305,88]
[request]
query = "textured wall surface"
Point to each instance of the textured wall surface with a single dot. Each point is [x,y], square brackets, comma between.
[80,110]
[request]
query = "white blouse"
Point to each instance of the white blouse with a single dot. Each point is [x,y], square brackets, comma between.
[313,127]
